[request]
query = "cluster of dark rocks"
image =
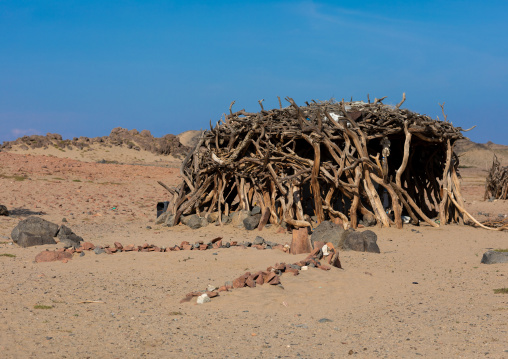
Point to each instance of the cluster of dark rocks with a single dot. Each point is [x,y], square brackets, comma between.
[35,231]
[327,231]
[343,239]
[3,210]
[249,220]
[132,139]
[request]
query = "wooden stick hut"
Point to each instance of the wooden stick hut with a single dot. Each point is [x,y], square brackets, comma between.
[340,161]
[496,184]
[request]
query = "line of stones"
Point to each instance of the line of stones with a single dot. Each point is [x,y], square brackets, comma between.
[272,274]
[64,254]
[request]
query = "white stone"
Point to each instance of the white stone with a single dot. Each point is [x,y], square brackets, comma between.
[203,298]
[305,268]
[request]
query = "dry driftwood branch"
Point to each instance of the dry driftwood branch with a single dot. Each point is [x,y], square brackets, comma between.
[322,161]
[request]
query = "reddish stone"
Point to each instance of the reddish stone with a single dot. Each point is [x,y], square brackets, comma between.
[260,280]
[87,246]
[217,244]
[60,250]
[203,247]
[239,282]
[246,275]
[222,289]
[151,249]
[215,240]
[184,243]
[129,248]
[108,250]
[234,243]
[280,266]
[212,294]
[269,276]
[259,246]
[70,250]
[292,270]
[51,256]
[361,226]
[113,250]
[118,245]
[144,245]
[79,250]
[143,249]
[65,260]
[193,294]
[156,249]
[187,247]
[313,254]
[176,248]
[250,282]
[275,280]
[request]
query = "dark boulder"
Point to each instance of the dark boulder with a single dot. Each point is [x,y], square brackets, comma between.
[362,242]
[36,226]
[252,222]
[195,222]
[370,241]
[369,220]
[330,232]
[29,240]
[354,242]
[493,257]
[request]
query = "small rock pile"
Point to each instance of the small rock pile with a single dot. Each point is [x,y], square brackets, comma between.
[249,220]
[35,231]
[272,274]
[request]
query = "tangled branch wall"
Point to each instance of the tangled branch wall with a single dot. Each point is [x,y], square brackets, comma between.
[325,161]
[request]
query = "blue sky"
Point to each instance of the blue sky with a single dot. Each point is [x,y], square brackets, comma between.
[81,68]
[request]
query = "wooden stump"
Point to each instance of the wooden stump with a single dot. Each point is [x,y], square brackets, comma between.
[300,242]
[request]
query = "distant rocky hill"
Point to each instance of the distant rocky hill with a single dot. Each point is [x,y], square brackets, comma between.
[471,154]
[133,139]
[480,155]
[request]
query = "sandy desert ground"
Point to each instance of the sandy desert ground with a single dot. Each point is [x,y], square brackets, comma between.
[425,295]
